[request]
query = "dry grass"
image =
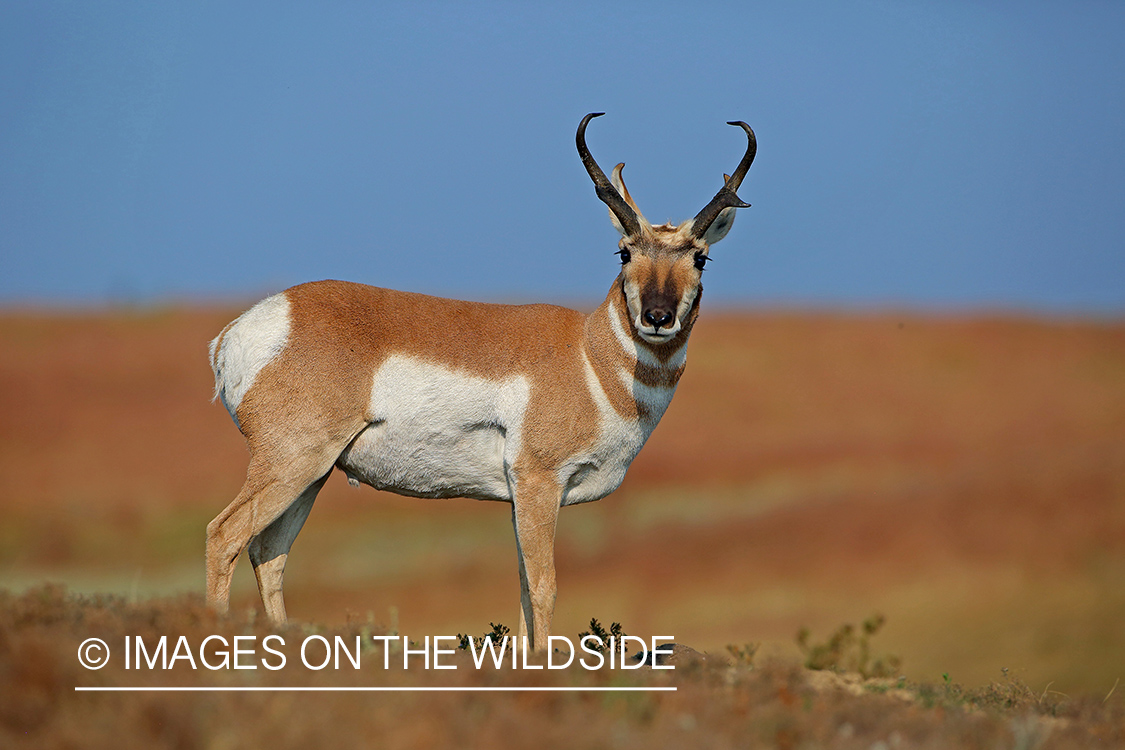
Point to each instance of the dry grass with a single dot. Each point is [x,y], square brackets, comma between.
[716,704]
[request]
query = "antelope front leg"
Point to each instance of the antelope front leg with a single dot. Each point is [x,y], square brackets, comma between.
[535,512]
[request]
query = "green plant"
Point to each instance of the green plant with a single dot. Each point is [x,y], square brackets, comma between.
[1015,694]
[1009,695]
[743,654]
[849,650]
[498,633]
[603,635]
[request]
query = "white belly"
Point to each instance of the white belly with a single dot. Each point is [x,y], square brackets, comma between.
[436,432]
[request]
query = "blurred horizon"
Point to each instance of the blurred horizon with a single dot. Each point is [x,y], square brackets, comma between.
[932,157]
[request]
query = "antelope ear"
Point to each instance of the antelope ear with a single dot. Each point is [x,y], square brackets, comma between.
[618,183]
[722,223]
[720,226]
[617,223]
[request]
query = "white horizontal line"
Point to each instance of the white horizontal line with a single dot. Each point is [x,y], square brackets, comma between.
[362,689]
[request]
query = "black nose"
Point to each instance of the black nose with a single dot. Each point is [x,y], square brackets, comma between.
[657,317]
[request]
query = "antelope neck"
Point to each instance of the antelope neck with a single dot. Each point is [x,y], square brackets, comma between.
[638,377]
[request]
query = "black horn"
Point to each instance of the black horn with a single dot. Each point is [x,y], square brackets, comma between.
[727,197]
[605,190]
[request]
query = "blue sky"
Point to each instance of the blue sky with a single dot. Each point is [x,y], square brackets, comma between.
[954,155]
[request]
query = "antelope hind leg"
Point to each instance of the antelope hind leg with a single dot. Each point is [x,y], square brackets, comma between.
[266,495]
[269,550]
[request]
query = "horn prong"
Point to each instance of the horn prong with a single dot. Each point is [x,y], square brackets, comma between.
[727,197]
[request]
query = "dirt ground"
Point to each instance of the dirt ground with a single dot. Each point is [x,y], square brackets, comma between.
[704,701]
[963,476]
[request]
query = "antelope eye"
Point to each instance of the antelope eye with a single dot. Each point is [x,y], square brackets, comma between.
[626,256]
[700,260]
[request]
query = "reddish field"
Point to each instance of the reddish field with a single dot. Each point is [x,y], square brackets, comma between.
[963,476]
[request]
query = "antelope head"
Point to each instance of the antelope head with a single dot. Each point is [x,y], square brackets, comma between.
[662,265]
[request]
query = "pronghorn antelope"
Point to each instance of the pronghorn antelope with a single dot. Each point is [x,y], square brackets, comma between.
[534,405]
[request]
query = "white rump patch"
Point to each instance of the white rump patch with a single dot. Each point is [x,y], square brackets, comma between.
[246,346]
